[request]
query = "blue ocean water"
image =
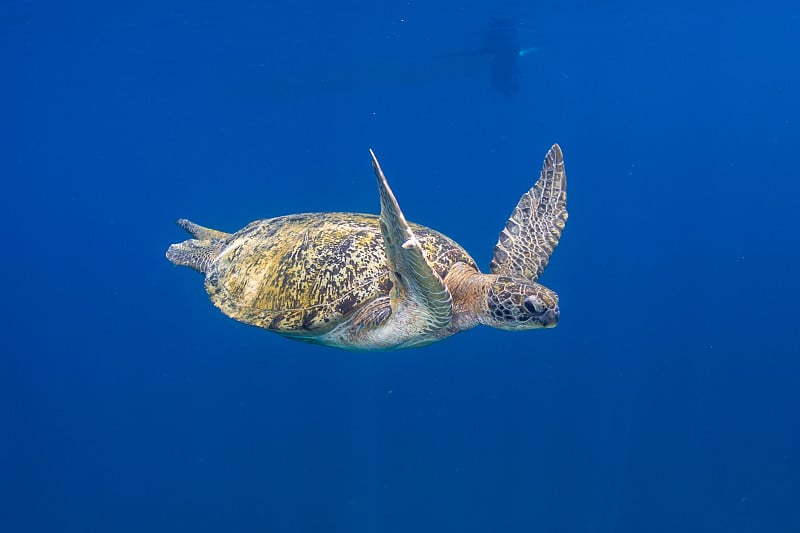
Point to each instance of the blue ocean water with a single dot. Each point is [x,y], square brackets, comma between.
[666,399]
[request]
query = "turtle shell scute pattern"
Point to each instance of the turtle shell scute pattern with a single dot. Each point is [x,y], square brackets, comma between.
[301,275]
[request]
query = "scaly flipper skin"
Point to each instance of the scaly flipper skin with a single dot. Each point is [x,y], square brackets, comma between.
[534,228]
[197,253]
[415,280]
[201,232]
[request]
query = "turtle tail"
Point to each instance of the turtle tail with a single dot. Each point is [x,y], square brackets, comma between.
[197,253]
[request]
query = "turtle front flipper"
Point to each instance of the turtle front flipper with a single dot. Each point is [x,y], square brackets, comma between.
[413,277]
[532,232]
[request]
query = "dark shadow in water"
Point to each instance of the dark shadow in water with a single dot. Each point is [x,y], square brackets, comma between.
[502,45]
[499,47]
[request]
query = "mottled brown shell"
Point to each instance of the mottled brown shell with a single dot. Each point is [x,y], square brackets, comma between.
[301,275]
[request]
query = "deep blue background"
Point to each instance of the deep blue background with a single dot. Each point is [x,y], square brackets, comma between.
[666,400]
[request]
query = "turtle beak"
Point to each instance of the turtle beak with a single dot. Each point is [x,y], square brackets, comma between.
[549,318]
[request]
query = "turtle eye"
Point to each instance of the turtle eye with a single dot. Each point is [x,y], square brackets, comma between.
[533,306]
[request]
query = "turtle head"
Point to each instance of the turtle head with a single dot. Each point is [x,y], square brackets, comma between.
[519,304]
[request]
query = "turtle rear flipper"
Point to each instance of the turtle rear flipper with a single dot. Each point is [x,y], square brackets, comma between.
[194,253]
[200,232]
[534,228]
[197,253]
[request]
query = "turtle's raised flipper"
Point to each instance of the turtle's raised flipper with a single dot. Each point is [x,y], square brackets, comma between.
[412,275]
[532,232]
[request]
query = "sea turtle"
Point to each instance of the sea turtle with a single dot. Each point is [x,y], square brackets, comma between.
[366,282]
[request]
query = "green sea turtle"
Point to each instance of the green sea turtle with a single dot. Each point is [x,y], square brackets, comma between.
[366,282]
